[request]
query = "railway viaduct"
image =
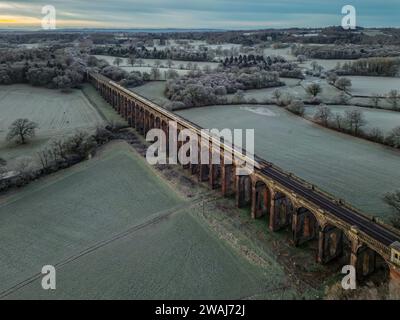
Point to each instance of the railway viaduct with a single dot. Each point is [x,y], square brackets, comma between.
[287,201]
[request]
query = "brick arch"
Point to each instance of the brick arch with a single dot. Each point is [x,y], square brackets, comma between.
[331,242]
[305,225]
[367,261]
[261,199]
[281,212]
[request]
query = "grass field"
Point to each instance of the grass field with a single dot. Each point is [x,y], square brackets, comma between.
[151,62]
[114,229]
[385,120]
[148,64]
[56,114]
[153,90]
[372,86]
[353,169]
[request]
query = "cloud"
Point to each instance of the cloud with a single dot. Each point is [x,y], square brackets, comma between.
[229,14]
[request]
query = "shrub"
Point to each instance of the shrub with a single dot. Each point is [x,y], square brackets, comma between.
[296,107]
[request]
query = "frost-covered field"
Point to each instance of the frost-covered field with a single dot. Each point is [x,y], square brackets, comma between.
[120,232]
[329,93]
[372,86]
[294,88]
[327,64]
[285,52]
[148,64]
[55,112]
[353,169]
[375,118]
[153,90]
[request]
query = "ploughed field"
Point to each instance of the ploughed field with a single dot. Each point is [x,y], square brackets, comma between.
[353,169]
[373,86]
[114,229]
[56,114]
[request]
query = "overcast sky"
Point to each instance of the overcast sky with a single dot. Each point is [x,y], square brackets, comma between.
[224,14]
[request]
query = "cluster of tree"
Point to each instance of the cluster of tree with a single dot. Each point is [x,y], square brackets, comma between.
[352,123]
[388,67]
[47,67]
[392,98]
[295,106]
[273,63]
[344,51]
[129,79]
[142,52]
[329,35]
[200,89]
[60,154]
[68,150]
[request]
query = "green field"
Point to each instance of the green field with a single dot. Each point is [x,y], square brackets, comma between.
[56,113]
[353,169]
[114,229]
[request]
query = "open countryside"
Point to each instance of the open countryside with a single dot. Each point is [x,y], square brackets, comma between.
[77,191]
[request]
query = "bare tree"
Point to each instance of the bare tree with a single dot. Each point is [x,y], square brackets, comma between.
[2,165]
[393,98]
[117,61]
[301,58]
[314,89]
[170,63]
[343,83]
[139,62]
[355,120]
[332,77]
[338,120]
[58,149]
[277,94]
[375,100]
[155,73]
[393,200]
[22,129]
[44,156]
[323,115]
[393,138]
[296,107]
[376,134]
[314,65]
[131,60]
